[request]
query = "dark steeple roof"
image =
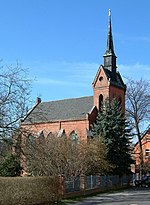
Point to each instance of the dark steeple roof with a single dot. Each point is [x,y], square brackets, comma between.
[110,46]
[110,57]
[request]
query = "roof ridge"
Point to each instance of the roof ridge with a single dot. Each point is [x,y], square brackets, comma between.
[67,99]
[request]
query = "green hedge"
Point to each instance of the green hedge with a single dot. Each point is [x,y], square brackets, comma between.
[28,190]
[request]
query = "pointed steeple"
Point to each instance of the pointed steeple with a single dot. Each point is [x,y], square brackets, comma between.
[110,57]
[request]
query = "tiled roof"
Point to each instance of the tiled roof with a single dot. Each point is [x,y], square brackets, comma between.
[114,79]
[68,109]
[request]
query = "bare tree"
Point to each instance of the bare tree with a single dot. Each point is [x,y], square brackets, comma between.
[14,97]
[96,157]
[60,155]
[138,108]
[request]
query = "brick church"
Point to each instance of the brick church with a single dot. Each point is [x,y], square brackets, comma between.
[74,117]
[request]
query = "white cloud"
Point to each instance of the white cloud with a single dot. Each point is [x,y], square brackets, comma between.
[68,74]
[135,71]
[82,74]
[48,81]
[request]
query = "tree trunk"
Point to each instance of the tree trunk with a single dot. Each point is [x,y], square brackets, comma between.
[140,149]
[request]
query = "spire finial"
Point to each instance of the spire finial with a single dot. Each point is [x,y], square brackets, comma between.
[109,12]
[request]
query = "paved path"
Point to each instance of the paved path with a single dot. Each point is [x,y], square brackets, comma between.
[128,197]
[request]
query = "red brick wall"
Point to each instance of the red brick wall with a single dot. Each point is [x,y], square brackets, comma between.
[100,87]
[78,125]
[117,93]
[108,90]
[145,145]
[92,117]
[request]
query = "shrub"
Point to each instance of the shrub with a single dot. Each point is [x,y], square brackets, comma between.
[28,190]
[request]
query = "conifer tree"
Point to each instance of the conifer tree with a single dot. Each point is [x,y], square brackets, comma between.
[112,127]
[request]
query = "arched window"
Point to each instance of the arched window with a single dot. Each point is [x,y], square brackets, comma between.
[50,135]
[40,135]
[31,141]
[61,133]
[73,136]
[100,102]
[40,138]
[120,101]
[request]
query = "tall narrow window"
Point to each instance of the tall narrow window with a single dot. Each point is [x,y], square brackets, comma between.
[100,102]
[147,153]
[61,133]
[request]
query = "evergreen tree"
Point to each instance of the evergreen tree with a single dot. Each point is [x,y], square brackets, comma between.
[10,166]
[112,127]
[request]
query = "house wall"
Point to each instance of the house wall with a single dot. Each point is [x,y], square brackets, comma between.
[145,145]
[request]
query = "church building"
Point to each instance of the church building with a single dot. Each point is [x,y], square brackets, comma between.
[74,117]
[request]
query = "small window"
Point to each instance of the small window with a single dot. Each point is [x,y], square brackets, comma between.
[147,153]
[147,139]
[61,133]
[101,78]
[40,135]
[73,136]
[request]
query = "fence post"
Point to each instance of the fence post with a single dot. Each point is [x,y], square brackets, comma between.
[61,186]
[91,181]
[99,181]
[129,179]
[120,181]
[110,181]
[82,183]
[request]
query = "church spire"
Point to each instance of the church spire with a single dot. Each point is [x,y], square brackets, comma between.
[110,57]
[110,46]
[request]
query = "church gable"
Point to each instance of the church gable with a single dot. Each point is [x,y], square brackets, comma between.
[100,88]
[100,78]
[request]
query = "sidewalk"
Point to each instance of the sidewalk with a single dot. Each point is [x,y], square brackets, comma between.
[91,200]
[125,197]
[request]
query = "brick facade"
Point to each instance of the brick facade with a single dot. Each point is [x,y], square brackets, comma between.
[102,88]
[145,148]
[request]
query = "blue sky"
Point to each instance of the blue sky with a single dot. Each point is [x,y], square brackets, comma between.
[62,42]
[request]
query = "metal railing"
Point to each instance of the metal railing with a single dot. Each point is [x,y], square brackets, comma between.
[83,184]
